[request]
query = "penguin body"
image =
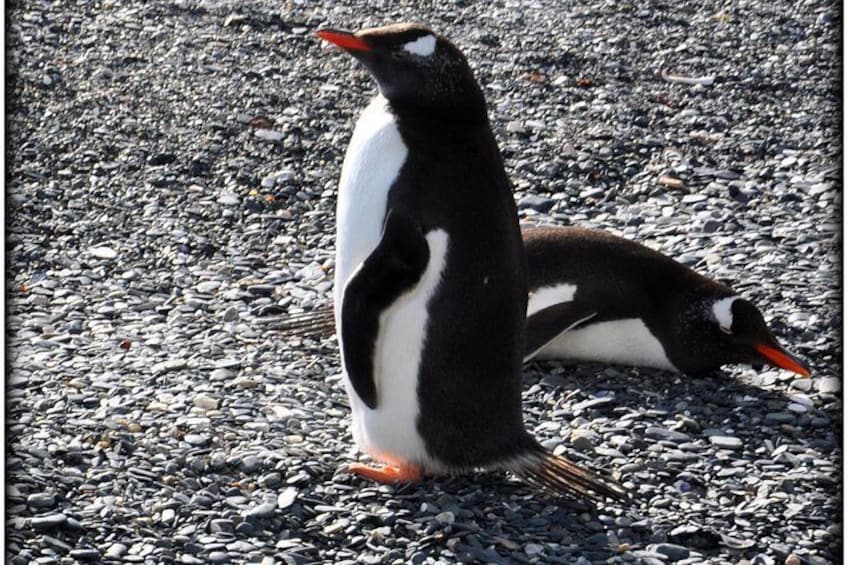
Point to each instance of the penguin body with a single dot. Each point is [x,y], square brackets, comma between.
[595,296]
[430,285]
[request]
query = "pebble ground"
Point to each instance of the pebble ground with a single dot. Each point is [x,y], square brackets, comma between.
[171,185]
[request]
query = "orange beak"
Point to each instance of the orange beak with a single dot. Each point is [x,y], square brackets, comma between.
[779,357]
[344,39]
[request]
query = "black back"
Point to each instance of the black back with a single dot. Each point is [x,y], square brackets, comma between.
[470,373]
[620,278]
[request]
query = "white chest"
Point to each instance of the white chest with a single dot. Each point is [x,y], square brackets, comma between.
[627,341]
[390,432]
[373,160]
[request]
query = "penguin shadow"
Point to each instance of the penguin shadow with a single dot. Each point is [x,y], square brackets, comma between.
[642,388]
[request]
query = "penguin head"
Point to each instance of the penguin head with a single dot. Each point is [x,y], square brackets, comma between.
[412,65]
[744,336]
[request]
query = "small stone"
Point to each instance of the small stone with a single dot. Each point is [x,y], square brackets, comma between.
[218,557]
[792,559]
[670,182]
[56,544]
[515,126]
[270,480]
[205,402]
[581,441]
[221,375]
[103,252]
[797,408]
[803,384]
[726,442]
[208,287]
[250,464]
[286,498]
[445,518]
[87,554]
[674,552]
[664,434]
[268,134]
[196,439]
[228,199]
[159,159]
[829,385]
[538,203]
[47,522]
[264,510]
[693,198]
[221,525]
[116,550]
[41,500]
[532,549]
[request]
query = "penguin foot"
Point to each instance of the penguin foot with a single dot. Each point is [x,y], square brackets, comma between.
[387,473]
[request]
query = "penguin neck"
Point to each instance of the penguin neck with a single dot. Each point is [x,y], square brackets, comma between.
[466,111]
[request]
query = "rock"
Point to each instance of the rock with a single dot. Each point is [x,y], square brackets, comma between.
[41,500]
[674,552]
[286,497]
[445,518]
[264,510]
[268,135]
[829,385]
[726,442]
[538,203]
[664,434]
[103,252]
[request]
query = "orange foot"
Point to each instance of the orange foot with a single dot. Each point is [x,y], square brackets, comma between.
[387,473]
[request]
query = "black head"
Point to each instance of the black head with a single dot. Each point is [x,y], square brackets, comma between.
[743,336]
[412,66]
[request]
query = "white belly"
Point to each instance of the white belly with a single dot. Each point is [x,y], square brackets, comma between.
[390,432]
[373,160]
[627,342]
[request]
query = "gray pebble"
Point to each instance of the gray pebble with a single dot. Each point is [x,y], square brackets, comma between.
[726,442]
[48,522]
[829,385]
[263,510]
[666,435]
[672,551]
[41,500]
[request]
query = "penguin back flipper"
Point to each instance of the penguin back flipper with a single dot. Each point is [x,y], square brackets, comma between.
[559,476]
[395,266]
[548,324]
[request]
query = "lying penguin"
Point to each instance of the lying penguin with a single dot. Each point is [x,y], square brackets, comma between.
[595,296]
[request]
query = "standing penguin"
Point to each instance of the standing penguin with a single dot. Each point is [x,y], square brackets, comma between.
[599,297]
[430,286]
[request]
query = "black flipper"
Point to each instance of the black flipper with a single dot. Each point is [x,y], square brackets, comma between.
[549,323]
[395,266]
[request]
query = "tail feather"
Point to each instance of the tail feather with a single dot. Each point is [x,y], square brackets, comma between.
[320,322]
[562,477]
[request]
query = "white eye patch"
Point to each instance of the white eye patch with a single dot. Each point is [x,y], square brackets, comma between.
[423,46]
[723,313]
